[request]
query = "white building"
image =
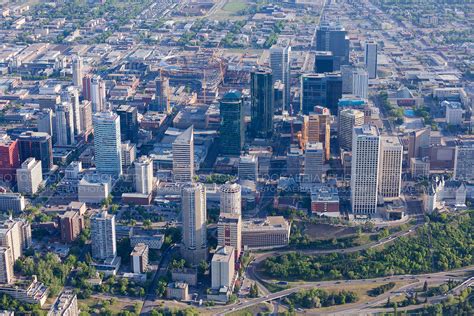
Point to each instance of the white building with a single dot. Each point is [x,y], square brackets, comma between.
[29,176]
[223,268]
[11,202]
[360,83]
[71,95]
[183,156]
[348,119]
[280,65]
[65,305]
[313,162]
[144,175]
[454,112]
[93,189]
[364,169]
[97,94]
[193,206]
[230,198]
[77,71]
[390,169]
[15,235]
[248,168]
[107,143]
[64,124]
[371,59]
[103,236]
[139,258]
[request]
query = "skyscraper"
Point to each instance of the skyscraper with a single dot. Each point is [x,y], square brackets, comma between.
[333,38]
[313,162]
[323,62]
[85,115]
[348,119]
[261,90]
[230,198]
[64,124]
[37,145]
[183,156]
[144,175]
[229,232]
[320,89]
[319,129]
[223,268]
[45,121]
[360,83]
[390,169]
[193,206]
[9,158]
[6,265]
[71,95]
[248,168]
[97,94]
[280,65]
[107,144]
[162,85]
[29,176]
[104,245]
[231,133]
[371,59]
[364,169]
[77,71]
[128,123]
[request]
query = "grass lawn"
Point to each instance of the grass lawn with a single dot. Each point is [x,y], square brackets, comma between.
[95,304]
[254,310]
[233,6]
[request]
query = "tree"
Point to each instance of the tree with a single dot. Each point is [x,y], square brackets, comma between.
[147,224]
[203,267]
[425,286]
[253,290]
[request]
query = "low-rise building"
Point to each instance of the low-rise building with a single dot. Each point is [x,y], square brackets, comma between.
[14,202]
[27,291]
[186,275]
[65,305]
[178,291]
[324,199]
[271,232]
[139,258]
[152,241]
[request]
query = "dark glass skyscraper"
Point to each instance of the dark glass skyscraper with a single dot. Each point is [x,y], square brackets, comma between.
[323,62]
[261,90]
[128,123]
[37,145]
[320,89]
[232,133]
[333,38]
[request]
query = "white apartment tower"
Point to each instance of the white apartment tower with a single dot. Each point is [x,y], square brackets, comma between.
[364,169]
[104,245]
[348,119]
[77,71]
[29,176]
[144,175]
[230,198]
[193,206]
[280,65]
[371,59]
[360,83]
[223,268]
[390,169]
[183,156]
[107,143]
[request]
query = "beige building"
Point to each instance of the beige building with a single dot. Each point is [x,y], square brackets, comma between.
[139,258]
[183,156]
[390,169]
[144,175]
[319,129]
[223,267]
[29,176]
[230,198]
[6,265]
[178,291]
[313,162]
[16,235]
[271,232]
[229,232]
[348,119]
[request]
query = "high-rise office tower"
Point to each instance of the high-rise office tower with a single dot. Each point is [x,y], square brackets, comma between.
[64,124]
[248,168]
[104,244]
[320,89]
[97,94]
[313,161]
[319,129]
[183,156]
[229,232]
[280,65]
[77,71]
[364,169]
[144,175]
[419,143]
[348,119]
[464,162]
[231,133]
[107,144]
[9,158]
[37,145]
[360,83]
[390,169]
[29,176]
[45,121]
[6,266]
[261,91]
[193,206]
[162,85]
[85,114]
[333,38]
[87,87]
[223,267]
[71,95]
[371,59]
[129,154]
[323,62]
[230,198]
[128,123]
